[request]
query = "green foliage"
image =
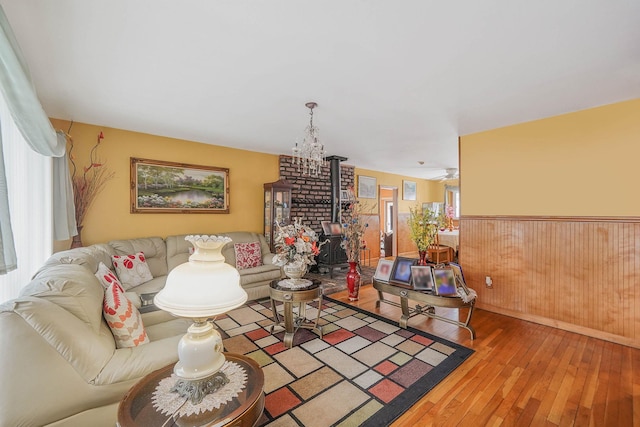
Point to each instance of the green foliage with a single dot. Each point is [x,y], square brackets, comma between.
[424,225]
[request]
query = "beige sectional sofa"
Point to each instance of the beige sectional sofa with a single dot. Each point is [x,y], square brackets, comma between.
[59,364]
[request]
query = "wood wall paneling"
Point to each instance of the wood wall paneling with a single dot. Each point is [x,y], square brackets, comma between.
[579,274]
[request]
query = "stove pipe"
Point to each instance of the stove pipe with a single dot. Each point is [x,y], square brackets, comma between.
[334,167]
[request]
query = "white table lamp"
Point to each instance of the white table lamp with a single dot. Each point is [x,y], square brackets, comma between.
[200,289]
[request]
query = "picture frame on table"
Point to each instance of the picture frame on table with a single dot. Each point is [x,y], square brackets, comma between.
[335,228]
[459,276]
[401,272]
[409,191]
[422,277]
[383,270]
[367,187]
[445,282]
[326,227]
[184,188]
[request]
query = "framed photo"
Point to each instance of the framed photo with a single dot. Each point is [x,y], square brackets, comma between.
[326,227]
[457,273]
[445,282]
[422,277]
[335,228]
[383,271]
[344,196]
[367,187]
[168,187]
[408,190]
[401,272]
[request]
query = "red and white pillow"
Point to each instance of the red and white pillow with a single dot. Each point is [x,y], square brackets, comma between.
[248,255]
[106,276]
[132,270]
[123,318]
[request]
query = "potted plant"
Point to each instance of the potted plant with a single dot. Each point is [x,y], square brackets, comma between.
[423,226]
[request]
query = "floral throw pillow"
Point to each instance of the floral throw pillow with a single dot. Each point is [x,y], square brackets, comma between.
[106,276]
[123,318]
[132,270]
[248,255]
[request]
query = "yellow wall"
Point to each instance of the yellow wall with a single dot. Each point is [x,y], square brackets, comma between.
[110,218]
[426,191]
[577,164]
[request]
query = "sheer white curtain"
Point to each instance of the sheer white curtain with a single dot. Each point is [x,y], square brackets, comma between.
[29,181]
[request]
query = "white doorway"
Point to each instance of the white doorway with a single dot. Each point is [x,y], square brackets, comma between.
[388,202]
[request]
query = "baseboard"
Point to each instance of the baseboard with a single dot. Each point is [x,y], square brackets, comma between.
[594,333]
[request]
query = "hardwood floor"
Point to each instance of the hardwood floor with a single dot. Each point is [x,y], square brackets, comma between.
[523,374]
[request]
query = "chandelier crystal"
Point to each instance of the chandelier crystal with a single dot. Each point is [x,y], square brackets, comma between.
[310,153]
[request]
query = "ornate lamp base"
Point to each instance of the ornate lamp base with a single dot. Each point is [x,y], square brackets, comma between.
[196,390]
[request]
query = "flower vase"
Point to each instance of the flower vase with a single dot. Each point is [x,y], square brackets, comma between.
[353,281]
[423,258]
[295,270]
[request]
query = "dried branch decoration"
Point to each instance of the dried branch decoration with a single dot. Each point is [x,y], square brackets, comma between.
[87,186]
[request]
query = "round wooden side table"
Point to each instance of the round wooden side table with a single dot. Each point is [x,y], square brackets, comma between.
[136,409]
[299,298]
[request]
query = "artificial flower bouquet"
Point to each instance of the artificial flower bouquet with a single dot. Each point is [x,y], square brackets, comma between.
[295,244]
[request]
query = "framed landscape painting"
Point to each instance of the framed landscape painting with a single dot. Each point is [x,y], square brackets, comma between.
[168,187]
[408,190]
[367,187]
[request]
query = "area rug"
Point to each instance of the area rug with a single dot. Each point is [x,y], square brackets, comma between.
[338,282]
[365,371]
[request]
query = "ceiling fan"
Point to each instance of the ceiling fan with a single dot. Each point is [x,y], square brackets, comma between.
[451,173]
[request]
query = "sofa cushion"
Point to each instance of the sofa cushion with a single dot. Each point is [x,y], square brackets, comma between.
[132,269]
[228,250]
[154,285]
[261,274]
[106,276]
[72,287]
[248,255]
[154,249]
[178,250]
[123,318]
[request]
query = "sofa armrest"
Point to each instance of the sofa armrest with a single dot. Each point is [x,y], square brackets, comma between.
[136,362]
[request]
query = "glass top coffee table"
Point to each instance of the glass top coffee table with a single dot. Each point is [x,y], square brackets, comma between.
[137,408]
[298,299]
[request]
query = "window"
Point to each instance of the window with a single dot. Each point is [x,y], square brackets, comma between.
[29,186]
[452,197]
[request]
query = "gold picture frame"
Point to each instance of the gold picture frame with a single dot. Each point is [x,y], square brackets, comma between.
[167,187]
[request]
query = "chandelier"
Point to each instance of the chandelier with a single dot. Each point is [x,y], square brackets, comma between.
[309,155]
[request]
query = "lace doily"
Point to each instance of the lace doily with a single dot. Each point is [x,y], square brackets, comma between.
[169,403]
[294,283]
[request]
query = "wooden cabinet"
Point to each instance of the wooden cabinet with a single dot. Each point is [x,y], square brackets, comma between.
[277,208]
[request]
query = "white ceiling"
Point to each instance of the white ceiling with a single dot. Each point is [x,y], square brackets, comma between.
[396,81]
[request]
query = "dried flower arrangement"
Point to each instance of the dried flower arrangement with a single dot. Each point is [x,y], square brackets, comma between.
[87,186]
[354,227]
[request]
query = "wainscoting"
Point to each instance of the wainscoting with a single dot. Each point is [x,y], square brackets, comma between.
[578,274]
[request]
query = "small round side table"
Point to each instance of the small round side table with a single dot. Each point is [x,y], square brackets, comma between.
[136,409]
[298,297]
